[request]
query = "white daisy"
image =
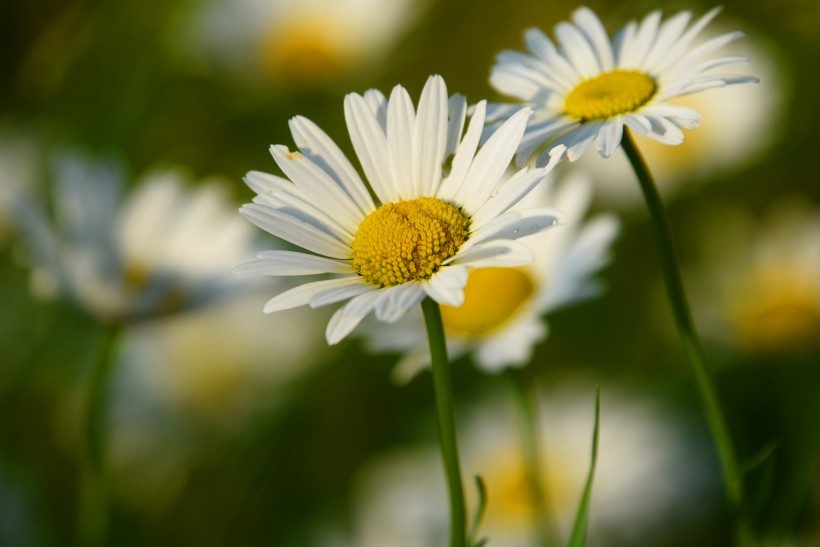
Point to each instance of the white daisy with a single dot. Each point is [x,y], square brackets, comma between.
[161,250]
[502,317]
[434,220]
[646,476]
[590,87]
[736,131]
[300,42]
[758,289]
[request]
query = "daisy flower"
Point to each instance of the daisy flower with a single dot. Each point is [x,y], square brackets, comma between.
[589,87]
[161,250]
[501,319]
[443,207]
[647,474]
[758,289]
[736,131]
[300,43]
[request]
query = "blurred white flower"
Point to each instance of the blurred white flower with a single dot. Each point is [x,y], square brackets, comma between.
[646,475]
[301,42]
[758,289]
[736,129]
[501,319]
[161,250]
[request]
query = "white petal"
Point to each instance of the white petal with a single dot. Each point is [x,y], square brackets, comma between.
[579,140]
[491,161]
[292,263]
[265,183]
[301,295]
[497,111]
[337,294]
[587,21]
[316,145]
[559,69]
[295,230]
[609,137]
[297,205]
[511,193]
[378,105]
[457,109]
[400,120]
[495,253]
[664,131]
[637,122]
[645,38]
[465,152]
[348,317]
[682,44]
[447,285]
[315,184]
[397,301]
[430,136]
[575,46]
[682,116]
[516,224]
[538,134]
[669,33]
[370,143]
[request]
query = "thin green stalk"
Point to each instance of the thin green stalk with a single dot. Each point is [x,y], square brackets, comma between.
[543,521]
[93,517]
[442,385]
[680,308]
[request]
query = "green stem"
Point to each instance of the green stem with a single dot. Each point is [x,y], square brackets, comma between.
[543,521]
[93,508]
[442,385]
[680,308]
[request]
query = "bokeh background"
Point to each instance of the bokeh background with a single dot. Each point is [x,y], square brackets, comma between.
[229,427]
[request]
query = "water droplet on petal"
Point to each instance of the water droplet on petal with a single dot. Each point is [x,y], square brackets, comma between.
[515,231]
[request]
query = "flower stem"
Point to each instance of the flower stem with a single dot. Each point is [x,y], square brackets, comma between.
[442,385]
[683,318]
[93,508]
[543,519]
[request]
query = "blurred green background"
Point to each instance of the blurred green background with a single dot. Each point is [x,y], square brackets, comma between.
[210,450]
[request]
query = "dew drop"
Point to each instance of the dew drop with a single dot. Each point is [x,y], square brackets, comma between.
[515,231]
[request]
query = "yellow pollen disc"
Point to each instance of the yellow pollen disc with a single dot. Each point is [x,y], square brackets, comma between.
[491,297]
[407,240]
[776,311]
[609,94]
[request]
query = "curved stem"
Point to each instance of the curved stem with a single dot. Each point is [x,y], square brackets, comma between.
[683,318]
[543,518]
[93,508]
[443,388]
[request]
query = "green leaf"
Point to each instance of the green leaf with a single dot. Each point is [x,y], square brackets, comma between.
[479,513]
[579,529]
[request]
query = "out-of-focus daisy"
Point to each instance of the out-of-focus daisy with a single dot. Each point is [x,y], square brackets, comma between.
[161,250]
[646,476]
[301,43]
[589,87]
[435,220]
[759,289]
[736,129]
[501,318]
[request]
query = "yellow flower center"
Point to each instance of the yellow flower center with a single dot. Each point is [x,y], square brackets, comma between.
[609,94]
[491,297]
[776,311]
[408,240]
[303,49]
